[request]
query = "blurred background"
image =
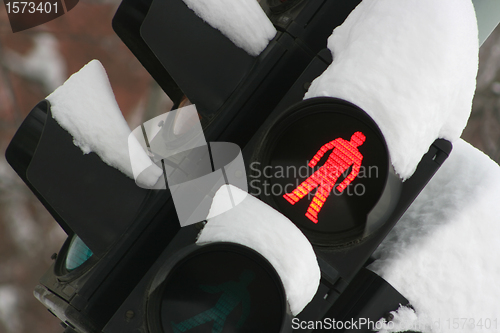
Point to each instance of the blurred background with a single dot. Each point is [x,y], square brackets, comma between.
[35,62]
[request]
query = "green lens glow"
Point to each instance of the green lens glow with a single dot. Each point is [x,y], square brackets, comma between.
[78,253]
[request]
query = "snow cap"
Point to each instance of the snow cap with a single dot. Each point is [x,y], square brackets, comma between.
[411,65]
[85,106]
[254,224]
[443,253]
[242,21]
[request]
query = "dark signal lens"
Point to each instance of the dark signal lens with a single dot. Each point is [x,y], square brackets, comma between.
[221,288]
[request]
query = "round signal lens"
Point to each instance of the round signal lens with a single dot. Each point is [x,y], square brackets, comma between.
[325,165]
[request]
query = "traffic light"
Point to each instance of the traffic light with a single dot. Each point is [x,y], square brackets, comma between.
[342,143]
[108,219]
[234,282]
[281,134]
[207,288]
[323,163]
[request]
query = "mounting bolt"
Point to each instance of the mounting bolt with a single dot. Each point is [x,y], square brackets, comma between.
[129,314]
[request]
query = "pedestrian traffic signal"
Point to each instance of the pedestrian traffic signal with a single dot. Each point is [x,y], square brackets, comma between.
[215,288]
[212,287]
[326,166]
[307,147]
[127,266]
[104,213]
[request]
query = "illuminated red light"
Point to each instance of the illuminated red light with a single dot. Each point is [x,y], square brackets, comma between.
[344,154]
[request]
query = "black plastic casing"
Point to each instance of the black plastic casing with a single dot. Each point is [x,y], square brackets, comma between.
[123,224]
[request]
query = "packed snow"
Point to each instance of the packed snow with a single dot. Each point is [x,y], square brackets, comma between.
[85,106]
[443,253]
[411,66]
[280,242]
[243,22]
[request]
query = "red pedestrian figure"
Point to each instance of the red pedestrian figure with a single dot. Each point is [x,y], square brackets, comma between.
[344,154]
